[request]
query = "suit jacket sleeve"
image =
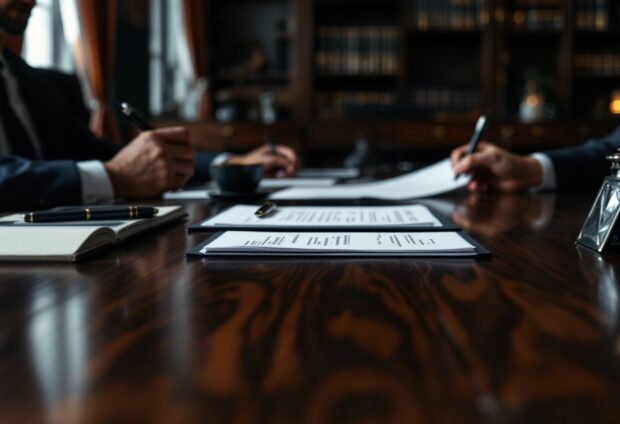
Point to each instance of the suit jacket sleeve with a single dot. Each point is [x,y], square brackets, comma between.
[26,184]
[203,161]
[35,184]
[583,167]
[30,184]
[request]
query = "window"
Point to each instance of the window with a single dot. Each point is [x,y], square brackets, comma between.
[172,91]
[44,41]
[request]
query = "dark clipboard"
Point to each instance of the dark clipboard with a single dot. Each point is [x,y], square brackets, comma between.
[447,225]
[195,252]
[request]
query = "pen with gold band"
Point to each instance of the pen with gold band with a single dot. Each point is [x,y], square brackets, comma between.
[265,209]
[91,213]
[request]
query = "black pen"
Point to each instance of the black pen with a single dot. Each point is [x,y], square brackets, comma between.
[265,209]
[272,146]
[91,213]
[135,117]
[475,138]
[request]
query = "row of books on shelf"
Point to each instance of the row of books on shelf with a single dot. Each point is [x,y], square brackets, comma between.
[592,15]
[335,105]
[536,15]
[423,100]
[539,4]
[451,15]
[445,99]
[600,64]
[358,50]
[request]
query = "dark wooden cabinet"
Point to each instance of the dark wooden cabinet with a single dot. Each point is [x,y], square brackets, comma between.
[408,73]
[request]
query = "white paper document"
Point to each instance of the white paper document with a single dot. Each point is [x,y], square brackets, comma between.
[186,194]
[447,243]
[326,217]
[199,193]
[328,172]
[271,183]
[430,181]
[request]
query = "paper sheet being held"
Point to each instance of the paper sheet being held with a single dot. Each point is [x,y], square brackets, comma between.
[430,181]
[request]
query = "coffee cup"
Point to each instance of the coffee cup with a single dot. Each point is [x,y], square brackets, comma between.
[237,177]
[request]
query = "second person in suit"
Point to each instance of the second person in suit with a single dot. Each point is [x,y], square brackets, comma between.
[578,168]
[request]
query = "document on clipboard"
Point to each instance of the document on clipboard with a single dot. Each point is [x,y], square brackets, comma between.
[316,218]
[343,244]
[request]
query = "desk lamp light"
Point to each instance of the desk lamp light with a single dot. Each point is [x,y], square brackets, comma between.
[600,229]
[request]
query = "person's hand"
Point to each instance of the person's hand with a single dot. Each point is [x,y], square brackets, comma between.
[493,168]
[154,162]
[285,161]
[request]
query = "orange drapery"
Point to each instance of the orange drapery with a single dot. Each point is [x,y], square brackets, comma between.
[195,18]
[96,56]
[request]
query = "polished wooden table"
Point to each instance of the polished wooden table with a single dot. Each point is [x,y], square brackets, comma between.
[141,334]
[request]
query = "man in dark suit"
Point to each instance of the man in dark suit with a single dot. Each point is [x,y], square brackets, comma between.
[47,157]
[578,168]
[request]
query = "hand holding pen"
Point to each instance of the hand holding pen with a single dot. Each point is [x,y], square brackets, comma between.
[272,146]
[284,158]
[496,169]
[157,160]
[274,151]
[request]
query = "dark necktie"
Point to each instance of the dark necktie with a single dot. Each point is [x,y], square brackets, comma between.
[18,138]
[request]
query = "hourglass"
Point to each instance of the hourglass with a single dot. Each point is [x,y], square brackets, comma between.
[599,231]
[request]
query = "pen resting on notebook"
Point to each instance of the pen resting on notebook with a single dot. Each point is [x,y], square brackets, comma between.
[91,214]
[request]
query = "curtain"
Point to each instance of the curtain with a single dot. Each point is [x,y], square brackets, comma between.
[90,27]
[195,24]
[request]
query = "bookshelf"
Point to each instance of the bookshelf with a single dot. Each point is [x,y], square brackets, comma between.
[413,74]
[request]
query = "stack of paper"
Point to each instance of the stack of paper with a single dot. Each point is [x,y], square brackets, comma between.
[326,217]
[273,183]
[234,243]
[329,173]
[202,192]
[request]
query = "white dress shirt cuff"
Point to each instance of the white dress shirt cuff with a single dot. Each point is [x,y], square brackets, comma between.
[548,178]
[96,184]
[221,158]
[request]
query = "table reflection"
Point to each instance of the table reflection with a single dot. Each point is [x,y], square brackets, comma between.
[494,215]
[602,272]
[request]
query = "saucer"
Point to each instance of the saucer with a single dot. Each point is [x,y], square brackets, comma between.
[236,195]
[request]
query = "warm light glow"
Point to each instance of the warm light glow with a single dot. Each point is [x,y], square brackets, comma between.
[518,18]
[532,100]
[614,105]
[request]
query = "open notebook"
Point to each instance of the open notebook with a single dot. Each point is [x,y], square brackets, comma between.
[71,241]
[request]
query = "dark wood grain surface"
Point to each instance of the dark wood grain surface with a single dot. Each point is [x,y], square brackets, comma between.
[141,334]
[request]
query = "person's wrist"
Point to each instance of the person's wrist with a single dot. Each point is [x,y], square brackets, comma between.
[533,172]
[116,179]
[238,160]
